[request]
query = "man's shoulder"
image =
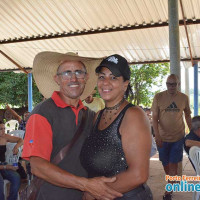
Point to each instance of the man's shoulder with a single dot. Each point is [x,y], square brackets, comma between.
[161,94]
[43,106]
[182,95]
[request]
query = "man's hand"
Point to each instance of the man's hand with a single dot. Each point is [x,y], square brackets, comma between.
[159,141]
[98,188]
[87,196]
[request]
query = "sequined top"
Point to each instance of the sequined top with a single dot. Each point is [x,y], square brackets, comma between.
[102,153]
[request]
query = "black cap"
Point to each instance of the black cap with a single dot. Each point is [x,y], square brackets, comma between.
[117,64]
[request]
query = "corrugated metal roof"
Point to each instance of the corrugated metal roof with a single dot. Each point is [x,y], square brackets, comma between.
[32,19]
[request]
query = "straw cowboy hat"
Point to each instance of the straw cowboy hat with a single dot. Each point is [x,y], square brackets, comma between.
[45,66]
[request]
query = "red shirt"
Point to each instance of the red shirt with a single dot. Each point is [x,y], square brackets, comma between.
[38,137]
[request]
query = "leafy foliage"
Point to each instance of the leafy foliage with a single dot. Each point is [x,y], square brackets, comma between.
[143,78]
[14,89]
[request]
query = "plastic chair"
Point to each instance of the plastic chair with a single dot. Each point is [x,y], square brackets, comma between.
[17,133]
[11,125]
[6,182]
[194,155]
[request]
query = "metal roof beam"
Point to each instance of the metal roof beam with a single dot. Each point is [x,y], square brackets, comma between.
[131,63]
[95,31]
[161,61]
[15,70]
[11,60]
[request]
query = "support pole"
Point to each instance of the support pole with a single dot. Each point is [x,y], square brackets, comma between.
[174,42]
[30,92]
[195,88]
[187,90]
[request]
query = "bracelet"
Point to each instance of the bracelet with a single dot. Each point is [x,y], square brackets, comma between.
[4,167]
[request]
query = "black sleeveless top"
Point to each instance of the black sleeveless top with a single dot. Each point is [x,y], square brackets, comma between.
[2,153]
[102,153]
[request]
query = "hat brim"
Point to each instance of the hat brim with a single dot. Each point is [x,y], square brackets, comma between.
[113,69]
[45,66]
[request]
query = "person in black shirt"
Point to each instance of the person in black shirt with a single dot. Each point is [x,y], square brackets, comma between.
[193,138]
[120,142]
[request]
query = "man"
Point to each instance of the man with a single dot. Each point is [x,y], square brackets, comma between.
[193,138]
[53,123]
[94,103]
[168,108]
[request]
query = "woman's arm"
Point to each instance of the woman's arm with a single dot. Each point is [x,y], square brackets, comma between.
[136,142]
[14,139]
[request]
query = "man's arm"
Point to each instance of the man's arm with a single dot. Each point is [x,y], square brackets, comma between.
[187,112]
[155,121]
[38,147]
[155,128]
[59,177]
[188,120]
[19,119]
[191,143]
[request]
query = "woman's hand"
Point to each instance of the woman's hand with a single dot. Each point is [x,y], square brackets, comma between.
[87,196]
[10,167]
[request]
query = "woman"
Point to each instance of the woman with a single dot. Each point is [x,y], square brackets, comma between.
[120,143]
[8,171]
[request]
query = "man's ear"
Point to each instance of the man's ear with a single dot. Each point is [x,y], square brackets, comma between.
[56,79]
[86,77]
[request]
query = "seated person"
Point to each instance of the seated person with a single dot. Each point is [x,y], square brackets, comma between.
[193,138]
[22,122]
[8,171]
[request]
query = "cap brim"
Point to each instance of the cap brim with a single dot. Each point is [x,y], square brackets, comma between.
[113,69]
[45,66]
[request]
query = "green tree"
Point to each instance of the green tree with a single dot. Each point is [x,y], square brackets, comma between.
[143,78]
[14,89]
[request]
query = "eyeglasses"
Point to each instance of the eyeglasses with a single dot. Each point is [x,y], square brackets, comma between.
[68,74]
[172,84]
[2,129]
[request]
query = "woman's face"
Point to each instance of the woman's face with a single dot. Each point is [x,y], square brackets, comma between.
[2,129]
[110,87]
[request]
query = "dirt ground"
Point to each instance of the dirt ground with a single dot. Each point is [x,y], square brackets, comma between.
[157,179]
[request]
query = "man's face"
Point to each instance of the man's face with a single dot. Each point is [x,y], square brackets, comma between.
[172,85]
[71,87]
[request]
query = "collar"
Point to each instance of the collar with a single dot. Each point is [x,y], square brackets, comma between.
[60,103]
[172,95]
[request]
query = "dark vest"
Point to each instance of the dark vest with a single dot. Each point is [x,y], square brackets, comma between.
[63,124]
